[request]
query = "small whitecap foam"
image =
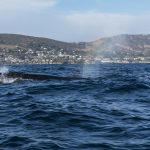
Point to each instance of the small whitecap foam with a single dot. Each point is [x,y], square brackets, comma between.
[6,80]
[3,78]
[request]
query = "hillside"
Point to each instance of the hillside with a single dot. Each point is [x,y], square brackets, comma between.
[18,49]
[21,49]
[122,45]
[34,42]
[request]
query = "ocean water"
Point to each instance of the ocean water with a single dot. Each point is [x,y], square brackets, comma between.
[109,109]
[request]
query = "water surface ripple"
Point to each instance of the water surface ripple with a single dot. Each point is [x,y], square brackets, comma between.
[109,110]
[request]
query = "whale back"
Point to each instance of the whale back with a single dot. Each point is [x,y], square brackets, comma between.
[29,76]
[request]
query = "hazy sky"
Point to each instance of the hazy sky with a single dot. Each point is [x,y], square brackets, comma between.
[75,20]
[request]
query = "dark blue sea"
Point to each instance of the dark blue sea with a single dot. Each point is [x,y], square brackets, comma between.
[109,109]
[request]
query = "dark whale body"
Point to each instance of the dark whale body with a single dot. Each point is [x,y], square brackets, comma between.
[28,76]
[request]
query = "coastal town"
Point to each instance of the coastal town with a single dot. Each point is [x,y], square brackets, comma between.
[46,56]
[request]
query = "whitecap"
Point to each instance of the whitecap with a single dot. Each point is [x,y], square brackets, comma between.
[3,78]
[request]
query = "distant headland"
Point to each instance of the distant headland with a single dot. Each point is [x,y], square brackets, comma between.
[21,49]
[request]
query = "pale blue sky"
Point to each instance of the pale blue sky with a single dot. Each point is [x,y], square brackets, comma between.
[111,6]
[75,20]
